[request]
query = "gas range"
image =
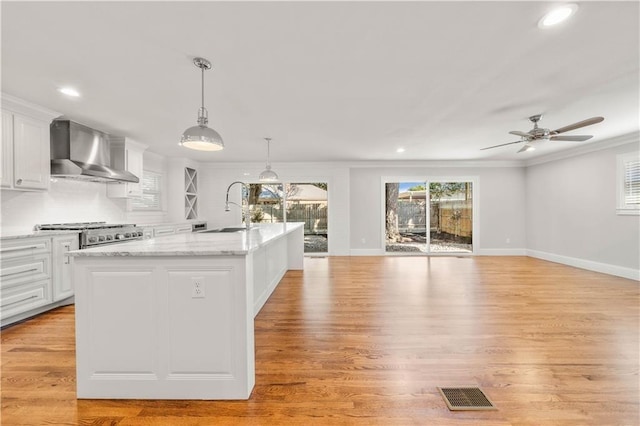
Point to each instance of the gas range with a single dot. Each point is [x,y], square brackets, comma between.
[97,233]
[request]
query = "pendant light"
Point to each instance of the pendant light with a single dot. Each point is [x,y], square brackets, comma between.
[201,137]
[268,175]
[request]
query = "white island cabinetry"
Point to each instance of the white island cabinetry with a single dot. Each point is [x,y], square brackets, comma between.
[172,317]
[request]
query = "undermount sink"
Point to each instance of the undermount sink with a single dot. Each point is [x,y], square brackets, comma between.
[227,230]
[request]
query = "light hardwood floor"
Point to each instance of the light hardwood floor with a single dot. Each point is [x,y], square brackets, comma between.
[366,340]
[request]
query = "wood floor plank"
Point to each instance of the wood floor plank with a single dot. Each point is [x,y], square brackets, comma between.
[366,341]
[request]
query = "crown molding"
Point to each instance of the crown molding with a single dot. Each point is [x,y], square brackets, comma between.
[21,106]
[371,164]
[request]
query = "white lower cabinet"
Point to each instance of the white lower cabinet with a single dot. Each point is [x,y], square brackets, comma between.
[161,231]
[35,275]
[25,276]
[184,229]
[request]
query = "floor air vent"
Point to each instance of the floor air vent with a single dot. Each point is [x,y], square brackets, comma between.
[458,399]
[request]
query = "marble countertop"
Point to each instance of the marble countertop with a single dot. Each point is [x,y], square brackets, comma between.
[35,234]
[197,243]
[160,224]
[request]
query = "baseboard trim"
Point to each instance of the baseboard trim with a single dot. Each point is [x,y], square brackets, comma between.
[502,252]
[605,268]
[366,252]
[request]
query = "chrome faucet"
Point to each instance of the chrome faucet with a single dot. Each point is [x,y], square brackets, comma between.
[247,213]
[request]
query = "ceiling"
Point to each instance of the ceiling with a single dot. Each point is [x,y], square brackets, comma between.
[329,81]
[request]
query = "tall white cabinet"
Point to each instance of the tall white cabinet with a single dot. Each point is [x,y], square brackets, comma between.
[25,149]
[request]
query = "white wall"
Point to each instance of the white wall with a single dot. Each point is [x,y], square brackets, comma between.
[500,191]
[355,203]
[571,214]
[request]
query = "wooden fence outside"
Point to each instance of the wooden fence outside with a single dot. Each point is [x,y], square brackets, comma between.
[451,217]
[314,215]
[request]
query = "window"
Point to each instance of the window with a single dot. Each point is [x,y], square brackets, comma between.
[151,192]
[629,183]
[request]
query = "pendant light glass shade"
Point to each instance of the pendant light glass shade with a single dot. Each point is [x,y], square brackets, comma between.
[201,137]
[267,174]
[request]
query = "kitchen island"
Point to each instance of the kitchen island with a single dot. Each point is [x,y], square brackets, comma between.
[172,317]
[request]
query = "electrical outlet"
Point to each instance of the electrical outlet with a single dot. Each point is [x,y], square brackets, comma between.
[197,291]
[508,240]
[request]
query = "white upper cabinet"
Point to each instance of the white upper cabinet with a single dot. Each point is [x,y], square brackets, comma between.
[129,159]
[6,173]
[25,151]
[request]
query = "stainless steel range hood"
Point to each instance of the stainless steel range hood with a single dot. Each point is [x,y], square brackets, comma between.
[79,152]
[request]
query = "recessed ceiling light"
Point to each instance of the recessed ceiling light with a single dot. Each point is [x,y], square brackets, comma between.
[69,91]
[400,150]
[557,15]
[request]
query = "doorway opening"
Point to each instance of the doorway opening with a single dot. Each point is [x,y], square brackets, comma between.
[294,202]
[309,203]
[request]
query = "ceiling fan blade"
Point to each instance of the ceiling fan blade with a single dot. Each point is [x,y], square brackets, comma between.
[517,133]
[583,123]
[503,144]
[571,138]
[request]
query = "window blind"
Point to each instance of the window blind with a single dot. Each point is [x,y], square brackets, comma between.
[632,182]
[151,192]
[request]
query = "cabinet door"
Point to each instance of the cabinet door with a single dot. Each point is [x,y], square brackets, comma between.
[62,277]
[135,166]
[6,152]
[31,153]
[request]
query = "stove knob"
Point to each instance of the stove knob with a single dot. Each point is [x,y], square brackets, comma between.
[109,237]
[93,239]
[101,238]
[119,237]
[127,235]
[140,234]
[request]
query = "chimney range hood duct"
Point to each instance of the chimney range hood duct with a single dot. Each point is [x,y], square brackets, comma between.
[79,152]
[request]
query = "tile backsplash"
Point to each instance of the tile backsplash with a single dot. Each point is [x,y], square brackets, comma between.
[66,201]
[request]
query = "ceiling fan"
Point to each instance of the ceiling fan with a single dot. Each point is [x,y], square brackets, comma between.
[539,134]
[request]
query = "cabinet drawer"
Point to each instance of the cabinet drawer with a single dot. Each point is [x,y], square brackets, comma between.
[159,232]
[23,298]
[15,272]
[183,229]
[24,247]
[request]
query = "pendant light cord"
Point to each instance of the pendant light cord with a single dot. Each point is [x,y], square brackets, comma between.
[268,151]
[202,69]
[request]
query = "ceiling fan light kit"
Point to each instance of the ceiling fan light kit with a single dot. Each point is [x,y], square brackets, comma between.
[202,137]
[538,134]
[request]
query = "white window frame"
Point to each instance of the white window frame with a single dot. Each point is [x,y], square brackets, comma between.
[622,207]
[159,193]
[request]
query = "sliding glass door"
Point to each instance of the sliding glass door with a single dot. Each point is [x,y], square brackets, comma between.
[309,203]
[443,207]
[294,202]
